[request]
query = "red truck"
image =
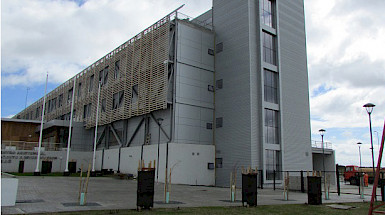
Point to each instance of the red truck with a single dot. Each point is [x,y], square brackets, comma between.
[352,172]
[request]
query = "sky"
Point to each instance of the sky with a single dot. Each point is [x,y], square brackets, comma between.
[345,47]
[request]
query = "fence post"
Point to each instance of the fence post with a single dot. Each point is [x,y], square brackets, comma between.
[302,183]
[261,179]
[274,179]
[338,181]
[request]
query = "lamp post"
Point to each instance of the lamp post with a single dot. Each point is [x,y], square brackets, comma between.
[157,161]
[369,109]
[359,151]
[322,132]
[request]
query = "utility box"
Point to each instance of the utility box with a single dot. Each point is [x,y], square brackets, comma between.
[145,190]
[314,192]
[249,189]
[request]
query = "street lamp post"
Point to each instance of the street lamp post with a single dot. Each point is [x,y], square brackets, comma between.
[369,109]
[359,151]
[157,162]
[322,132]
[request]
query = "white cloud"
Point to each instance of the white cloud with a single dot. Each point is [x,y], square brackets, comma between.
[63,38]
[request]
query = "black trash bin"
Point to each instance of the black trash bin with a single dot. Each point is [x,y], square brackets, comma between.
[381,182]
[145,191]
[249,189]
[314,192]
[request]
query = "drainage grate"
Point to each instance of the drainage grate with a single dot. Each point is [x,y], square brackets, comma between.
[76,204]
[169,203]
[30,201]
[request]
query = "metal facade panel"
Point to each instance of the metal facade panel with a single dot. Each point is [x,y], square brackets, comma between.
[233,140]
[294,86]
[194,102]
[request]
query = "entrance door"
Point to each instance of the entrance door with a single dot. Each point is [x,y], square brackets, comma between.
[21,166]
[46,167]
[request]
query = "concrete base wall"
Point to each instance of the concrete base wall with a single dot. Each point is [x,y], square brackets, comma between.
[188,162]
[10,160]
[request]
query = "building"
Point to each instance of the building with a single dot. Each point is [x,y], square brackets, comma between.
[201,96]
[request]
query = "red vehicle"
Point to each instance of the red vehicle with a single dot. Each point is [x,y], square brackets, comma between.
[352,172]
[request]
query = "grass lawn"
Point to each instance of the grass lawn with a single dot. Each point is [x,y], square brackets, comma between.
[360,208]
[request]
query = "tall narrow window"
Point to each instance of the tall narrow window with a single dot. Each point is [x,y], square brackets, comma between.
[91,83]
[80,89]
[271,127]
[60,100]
[116,71]
[271,85]
[53,105]
[69,97]
[273,162]
[105,78]
[117,100]
[269,47]
[267,15]
[134,95]
[103,109]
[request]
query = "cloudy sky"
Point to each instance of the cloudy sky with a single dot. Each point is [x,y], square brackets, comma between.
[345,44]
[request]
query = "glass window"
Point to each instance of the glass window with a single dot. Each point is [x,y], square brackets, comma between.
[117,100]
[267,14]
[69,98]
[116,71]
[271,127]
[134,95]
[60,101]
[103,76]
[271,85]
[273,162]
[91,83]
[269,47]
[103,105]
[80,89]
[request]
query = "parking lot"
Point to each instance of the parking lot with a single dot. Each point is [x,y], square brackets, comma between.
[56,194]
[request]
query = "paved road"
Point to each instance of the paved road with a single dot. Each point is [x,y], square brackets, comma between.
[57,194]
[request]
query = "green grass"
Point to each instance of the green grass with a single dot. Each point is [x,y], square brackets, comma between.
[360,208]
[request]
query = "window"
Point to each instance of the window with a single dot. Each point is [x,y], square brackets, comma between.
[91,83]
[37,114]
[103,105]
[271,127]
[117,100]
[60,100]
[271,85]
[116,71]
[218,162]
[69,98]
[80,89]
[269,48]
[209,126]
[103,76]
[210,52]
[134,95]
[53,104]
[267,15]
[273,162]
[219,122]
[219,84]
[87,111]
[49,106]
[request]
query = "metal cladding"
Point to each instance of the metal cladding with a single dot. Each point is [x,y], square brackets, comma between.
[134,82]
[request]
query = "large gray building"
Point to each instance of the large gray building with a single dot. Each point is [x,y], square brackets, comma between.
[225,90]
